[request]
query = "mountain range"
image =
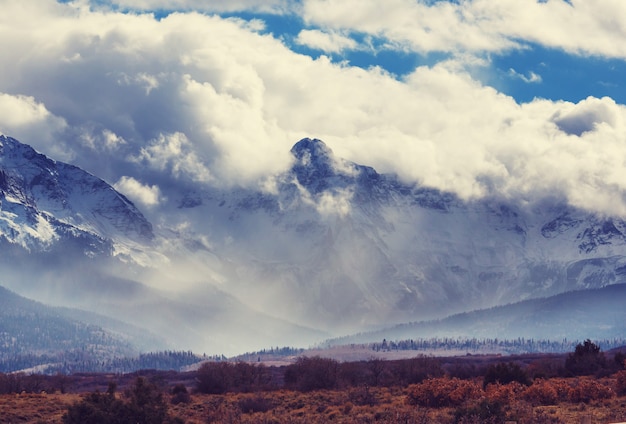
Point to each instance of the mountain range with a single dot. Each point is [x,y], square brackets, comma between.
[324,249]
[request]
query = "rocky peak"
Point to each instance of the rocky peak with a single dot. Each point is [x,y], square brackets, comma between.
[63,196]
[314,164]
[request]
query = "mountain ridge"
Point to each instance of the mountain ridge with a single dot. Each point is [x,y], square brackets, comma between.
[44,201]
[594,313]
[393,251]
[326,248]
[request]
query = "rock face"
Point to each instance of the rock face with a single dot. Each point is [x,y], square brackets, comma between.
[45,204]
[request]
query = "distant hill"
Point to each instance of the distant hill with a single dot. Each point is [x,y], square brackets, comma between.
[34,336]
[577,315]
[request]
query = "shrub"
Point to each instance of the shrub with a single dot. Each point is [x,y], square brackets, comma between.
[441,392]
[214,378]
[486,411]
[620,383]
[250,405]
[504,394]
[417,369]
[505,373]
[247,377]
[541,392]
[586,359]
[587,390]
[180,394]
[145,405]
[315,373]
[96,408]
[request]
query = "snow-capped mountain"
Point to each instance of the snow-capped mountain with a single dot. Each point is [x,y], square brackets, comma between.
[46,204]
[326,248]
[339,246]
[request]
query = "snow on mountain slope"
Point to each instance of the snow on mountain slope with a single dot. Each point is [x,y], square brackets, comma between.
[69,239]
[336,245]
[44,202]
[328,247]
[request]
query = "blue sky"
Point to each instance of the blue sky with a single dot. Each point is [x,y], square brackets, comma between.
[524,73]
[514,98]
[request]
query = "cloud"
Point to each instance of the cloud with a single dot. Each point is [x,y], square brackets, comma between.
[530,78]
[191,99]
[214,6]
[586,116]
[326,42]
[145,195]
[173,153]
[578,26]
[24,118]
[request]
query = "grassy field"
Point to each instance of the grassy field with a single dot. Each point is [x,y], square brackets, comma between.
[546,401]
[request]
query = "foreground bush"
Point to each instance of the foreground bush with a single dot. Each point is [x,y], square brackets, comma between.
[541,392]
[484,412]
[441,392]
[620,383]
[587,390]
[144,405]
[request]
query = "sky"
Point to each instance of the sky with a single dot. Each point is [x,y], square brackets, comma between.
[521,99]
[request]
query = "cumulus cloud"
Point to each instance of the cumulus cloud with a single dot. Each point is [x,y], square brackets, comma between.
[145,195]
[329,42]
[576,26]
[24,118]
[173,153]
[586,116]
[199,99]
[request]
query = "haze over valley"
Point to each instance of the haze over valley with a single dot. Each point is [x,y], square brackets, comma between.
[224,177]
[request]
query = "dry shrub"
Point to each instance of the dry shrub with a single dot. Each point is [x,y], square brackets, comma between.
[587,390]
[441,392]
[504,393]
[250,405]
[620,383]
[541,392]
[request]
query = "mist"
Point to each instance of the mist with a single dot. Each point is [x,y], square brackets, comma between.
[464,197]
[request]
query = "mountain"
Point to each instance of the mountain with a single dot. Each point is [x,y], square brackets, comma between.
[578,315]
[48,205]
[338,246]
[326,248]
[36,335]
[69,239]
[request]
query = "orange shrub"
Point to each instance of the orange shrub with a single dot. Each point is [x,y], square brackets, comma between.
[503,393]
[620,384]
[587,390]
[441,392]
[541,392]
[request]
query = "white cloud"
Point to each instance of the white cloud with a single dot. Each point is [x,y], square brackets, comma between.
[586,116]
[215,6]
[577,26]
[198,99]
[174,154]
[530,78]
[329,42]
[23,118]
[146,195]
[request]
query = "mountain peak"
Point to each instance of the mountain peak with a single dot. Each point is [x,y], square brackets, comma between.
[313,149]
[314,164]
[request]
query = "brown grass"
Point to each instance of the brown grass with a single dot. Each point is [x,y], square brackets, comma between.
[357,405]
